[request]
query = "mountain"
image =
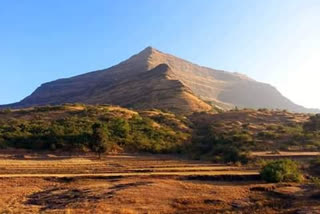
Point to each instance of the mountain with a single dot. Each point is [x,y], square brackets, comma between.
[152,79]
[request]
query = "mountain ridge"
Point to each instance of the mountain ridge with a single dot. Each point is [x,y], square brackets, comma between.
[223,89]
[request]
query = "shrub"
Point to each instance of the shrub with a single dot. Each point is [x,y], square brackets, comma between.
[281,171]
[313,124]
[234,155]
[5,111]
[2,143]
[228,147]
[259,162]
[268,135]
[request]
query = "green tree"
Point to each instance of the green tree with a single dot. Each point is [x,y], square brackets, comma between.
[99,139]
[281,171]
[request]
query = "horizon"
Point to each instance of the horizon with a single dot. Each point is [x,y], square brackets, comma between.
[49,41]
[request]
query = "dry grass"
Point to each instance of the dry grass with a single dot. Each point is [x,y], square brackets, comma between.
[25,163]
[164,189]
[286,154]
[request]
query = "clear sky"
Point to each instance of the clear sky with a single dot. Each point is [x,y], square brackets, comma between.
[273,41]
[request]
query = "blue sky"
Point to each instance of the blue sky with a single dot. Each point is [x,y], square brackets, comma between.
[273,41]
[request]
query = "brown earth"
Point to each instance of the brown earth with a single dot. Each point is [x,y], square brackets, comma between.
[192,189]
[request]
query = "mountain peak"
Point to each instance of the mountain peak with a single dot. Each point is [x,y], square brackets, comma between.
[166,76]
[148,50]
[143,56]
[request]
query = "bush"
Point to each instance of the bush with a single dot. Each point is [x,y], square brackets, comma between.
[315,181]
[268,135]
[313,124]
[221,147]
[281,171]
[5,111]
[2,143]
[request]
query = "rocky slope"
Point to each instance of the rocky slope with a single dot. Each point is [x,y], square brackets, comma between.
[152,79]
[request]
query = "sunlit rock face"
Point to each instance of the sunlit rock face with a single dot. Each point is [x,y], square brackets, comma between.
[152,79]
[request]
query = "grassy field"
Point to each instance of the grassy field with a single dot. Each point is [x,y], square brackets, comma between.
[47,183]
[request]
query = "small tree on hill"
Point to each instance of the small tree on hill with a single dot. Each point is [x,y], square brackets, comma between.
[99,139]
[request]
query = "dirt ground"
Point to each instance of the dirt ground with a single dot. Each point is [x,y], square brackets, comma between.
[142,184]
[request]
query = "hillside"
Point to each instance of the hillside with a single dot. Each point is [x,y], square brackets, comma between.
[70,128]
[180,86]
